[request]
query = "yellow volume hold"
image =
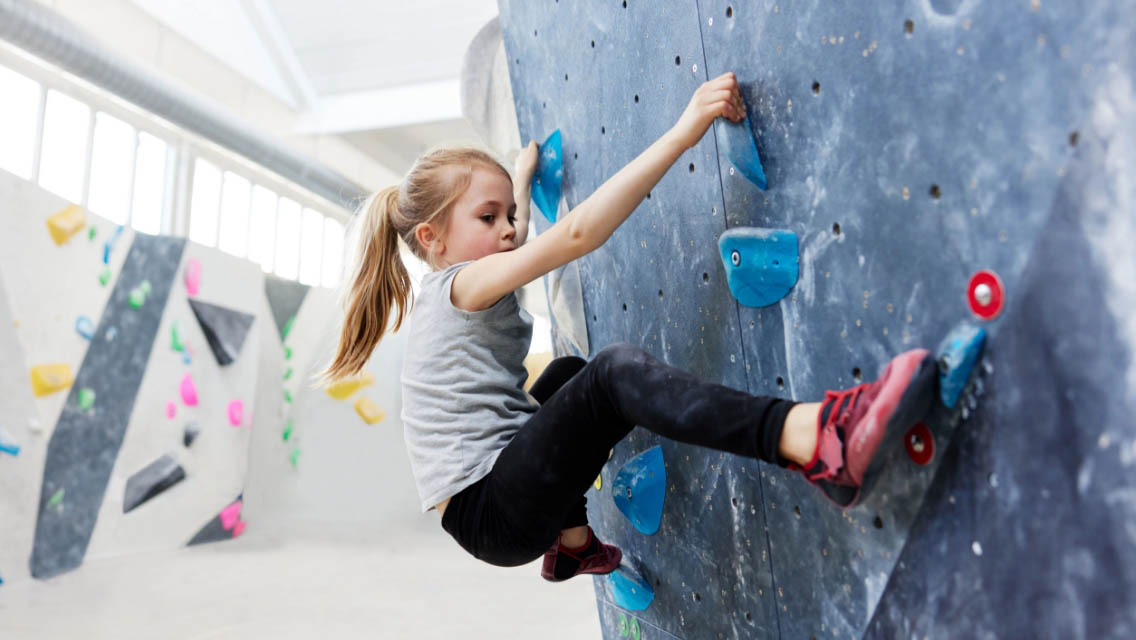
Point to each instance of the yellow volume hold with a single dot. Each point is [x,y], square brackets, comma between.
[49,378]
[66,223]
[368,410]
[344,388]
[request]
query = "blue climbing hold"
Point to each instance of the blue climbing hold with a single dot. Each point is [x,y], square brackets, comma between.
[7,446]
[761,264]
[629,590]
[548,176]
[109,243]
[84,327]
[958,353]
[738,141]
[639,489]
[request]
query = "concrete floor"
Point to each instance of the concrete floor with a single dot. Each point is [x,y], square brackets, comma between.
[414,583]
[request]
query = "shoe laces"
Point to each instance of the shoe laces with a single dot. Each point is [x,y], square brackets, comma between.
[831,442]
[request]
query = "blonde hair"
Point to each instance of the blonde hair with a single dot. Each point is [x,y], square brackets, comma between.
[378,280]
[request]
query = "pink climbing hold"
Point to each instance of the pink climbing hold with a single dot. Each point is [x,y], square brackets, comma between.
[188,391]
[239,529]
[236,411]
[171,409]
[193,277]
[230,515]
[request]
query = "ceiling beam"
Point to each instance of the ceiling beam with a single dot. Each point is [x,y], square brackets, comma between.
[280,51]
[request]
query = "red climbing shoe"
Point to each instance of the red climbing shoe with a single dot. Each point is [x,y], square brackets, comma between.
[561,563]
[857,427]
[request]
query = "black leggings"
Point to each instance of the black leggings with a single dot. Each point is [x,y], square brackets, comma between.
[536,487]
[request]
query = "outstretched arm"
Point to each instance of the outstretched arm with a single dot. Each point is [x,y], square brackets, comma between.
[522,189]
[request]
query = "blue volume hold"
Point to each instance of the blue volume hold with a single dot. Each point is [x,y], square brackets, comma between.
[741,149]
[639,489]
[761,264]
[958,353]
[548,176]
[630,590]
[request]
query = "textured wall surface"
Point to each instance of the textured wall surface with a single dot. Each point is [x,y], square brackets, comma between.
[908,145]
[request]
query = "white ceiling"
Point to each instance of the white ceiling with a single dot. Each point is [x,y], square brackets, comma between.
[381,73]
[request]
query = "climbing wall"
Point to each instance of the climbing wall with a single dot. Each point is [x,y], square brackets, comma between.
[908,147]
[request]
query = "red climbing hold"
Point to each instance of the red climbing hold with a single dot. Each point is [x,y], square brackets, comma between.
[985,294]
[920,444]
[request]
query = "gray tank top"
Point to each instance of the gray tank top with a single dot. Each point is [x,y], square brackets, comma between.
[462,386]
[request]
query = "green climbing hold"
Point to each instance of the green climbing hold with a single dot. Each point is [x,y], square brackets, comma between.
[287,328]
[635,629]
[91,233]
[86,398]
[145,287]
[288,373]
[287,353]
[295,458]
[175,339]
[137,298]
[56,499]
[288,431]
[624,629]
[287,396]
[104,276]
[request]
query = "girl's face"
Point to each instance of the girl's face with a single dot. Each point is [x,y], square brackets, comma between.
[481,221]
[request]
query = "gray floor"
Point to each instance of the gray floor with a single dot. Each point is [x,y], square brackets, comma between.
[411,584]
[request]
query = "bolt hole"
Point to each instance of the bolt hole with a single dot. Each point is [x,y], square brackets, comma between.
[624,4]
[566,77]
[603,130]
[648,195]
[534,32]
[816,88]
[856,374]
[797,510]
[908,27]
[1073,137]
[544,105]
[678,60]
[780,382]
[697,598]
[637,98]
[735,501]
[593,44]
[729,12]
[692,167]
[575,156]
[936,193]
[625,306]
[879,522]
[836,228]
[749,617]
[594,319]
[660,293]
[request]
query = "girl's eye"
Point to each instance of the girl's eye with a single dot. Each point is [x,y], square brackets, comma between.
[487,218]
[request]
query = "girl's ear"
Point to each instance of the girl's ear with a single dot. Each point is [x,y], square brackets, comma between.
[427,239]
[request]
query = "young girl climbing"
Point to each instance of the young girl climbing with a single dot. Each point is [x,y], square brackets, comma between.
[508,476]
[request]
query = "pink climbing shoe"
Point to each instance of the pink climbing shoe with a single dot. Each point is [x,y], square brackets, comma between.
[562,563]
[857,427]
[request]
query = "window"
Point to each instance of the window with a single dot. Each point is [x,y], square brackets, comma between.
[66,123]
[262,227]
[311,248]
[235,196]
[332,252]
[149,184]
[112,168]
[18,113]
[204,204]
[288,239]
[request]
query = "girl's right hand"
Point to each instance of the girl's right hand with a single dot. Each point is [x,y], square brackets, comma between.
[717,97]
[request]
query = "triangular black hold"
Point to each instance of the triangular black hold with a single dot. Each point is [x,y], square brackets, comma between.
[225,329]
[284,298]
[214,530]
[158,476]
[192,430]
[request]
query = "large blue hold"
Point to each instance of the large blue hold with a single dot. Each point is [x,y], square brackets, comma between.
[738,142]
[639,489]
[630,590]
[761,264]
[958,352]
[548,177]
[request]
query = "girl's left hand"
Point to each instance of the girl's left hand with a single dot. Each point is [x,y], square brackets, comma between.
[526,162]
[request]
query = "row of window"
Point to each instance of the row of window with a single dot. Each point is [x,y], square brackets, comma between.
[126,175]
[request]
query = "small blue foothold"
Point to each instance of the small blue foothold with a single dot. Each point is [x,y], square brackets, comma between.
[6,445]
[185,358]
[629,590]
[761,264]
[639,489]
[549,174]
[109,243]
[738,142]
[958,353]
[84,327]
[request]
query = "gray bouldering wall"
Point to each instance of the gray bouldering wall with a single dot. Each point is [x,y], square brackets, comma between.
[908,146]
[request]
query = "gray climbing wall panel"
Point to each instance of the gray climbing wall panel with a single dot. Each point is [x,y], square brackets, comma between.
[908,145]
[85,444]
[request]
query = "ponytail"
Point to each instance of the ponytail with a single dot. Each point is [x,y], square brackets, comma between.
[377,283]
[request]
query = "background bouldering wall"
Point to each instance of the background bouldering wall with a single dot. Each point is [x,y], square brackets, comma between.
[909,147]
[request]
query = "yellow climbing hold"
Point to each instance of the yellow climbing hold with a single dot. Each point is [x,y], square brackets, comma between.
[368,410]
[598,484]
[49,378]
[344,388]
[66,223]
